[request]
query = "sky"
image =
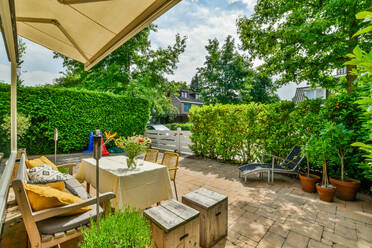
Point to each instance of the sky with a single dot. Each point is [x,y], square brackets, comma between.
[198,20]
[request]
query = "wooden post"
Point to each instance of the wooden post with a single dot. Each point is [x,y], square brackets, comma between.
[178,140]
[13,107]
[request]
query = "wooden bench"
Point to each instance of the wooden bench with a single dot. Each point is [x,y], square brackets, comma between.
[173,225]
[44,228]
[213,214]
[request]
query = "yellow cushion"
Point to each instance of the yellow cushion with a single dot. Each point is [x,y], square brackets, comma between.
[44,196]
[39,161]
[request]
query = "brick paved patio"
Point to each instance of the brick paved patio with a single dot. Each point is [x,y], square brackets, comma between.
[278,215]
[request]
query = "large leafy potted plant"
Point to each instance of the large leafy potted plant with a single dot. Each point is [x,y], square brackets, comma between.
[346,188]
[306,121]
[321,149]
[308,180]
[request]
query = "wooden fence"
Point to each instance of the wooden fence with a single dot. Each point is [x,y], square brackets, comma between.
[167,140]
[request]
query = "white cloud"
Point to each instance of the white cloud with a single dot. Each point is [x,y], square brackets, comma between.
[37,78]
[249,3]
[212,23]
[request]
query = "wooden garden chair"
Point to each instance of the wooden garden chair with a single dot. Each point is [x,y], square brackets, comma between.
[152,155]
[45,228]
[170,159]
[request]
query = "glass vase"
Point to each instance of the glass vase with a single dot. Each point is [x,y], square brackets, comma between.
[131,163]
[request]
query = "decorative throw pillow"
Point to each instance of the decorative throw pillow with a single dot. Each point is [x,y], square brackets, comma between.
[46,174]
[43,197]
[48,162]
[39,161]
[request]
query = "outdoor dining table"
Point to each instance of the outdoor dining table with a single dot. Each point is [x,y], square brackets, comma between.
[140,187]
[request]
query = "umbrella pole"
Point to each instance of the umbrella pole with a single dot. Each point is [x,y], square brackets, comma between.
[97,153]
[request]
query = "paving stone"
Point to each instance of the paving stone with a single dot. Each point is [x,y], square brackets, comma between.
[316,244]
[344,241]
[348,233]
[364,232]
[296,240]
[280,229]
[308,229]
[271,240]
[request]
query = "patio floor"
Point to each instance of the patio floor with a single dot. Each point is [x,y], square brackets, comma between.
[278,215]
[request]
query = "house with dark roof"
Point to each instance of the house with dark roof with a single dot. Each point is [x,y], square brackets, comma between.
[184,102]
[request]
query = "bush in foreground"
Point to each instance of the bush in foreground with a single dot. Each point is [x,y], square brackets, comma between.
[128,229]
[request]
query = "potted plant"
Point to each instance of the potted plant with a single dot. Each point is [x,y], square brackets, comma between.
[308,180]
[321,149]
[125,229]
[306,120]
[133,146]
[346,188]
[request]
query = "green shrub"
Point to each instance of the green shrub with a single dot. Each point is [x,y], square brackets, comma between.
[342,109]
[278,129]
[75,113]
[128,229]
[184,126]
[23,124]
[227,132]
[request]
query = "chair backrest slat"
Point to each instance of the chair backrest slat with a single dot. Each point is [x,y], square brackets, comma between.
[294,158]
[152,155]
[170,159]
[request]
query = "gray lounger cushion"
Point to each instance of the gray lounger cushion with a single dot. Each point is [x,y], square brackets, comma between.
[61,224]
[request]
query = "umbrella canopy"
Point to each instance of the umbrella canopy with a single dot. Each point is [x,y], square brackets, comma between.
[85,30]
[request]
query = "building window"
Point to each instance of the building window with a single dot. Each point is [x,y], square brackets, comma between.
[315,93]
[341,71]
[197,96]
[186,107]
[183,94]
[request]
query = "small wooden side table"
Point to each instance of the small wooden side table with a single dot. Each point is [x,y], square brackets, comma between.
[213,214]
[174,225]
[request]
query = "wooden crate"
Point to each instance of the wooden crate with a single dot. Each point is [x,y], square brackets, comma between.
[213,214]
[174,225]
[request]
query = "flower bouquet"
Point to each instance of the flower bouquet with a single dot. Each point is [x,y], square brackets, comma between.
[133,146]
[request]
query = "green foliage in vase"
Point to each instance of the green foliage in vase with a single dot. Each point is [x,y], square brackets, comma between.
[133,145]
[128,229]
[133,69]
[304,41]
[75,113]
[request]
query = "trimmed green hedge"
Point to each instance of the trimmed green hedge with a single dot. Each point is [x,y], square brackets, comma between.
[184,126]
[241,132]
[75,113]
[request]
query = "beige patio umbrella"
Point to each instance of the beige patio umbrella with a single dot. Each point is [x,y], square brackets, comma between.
[84,30]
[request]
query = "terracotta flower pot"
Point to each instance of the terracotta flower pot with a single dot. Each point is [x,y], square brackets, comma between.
[326,194]
[346,190]
[308,183]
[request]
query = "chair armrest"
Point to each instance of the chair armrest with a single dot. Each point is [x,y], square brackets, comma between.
[52,212]
[69,166]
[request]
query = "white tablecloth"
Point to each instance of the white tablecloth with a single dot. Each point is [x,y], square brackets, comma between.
[140,187]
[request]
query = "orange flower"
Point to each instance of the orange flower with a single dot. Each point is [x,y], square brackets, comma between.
[140,140]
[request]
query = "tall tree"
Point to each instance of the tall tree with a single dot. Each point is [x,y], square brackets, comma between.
[225,74]
[135,68]
[228,77]
[304,40]
[263,90]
